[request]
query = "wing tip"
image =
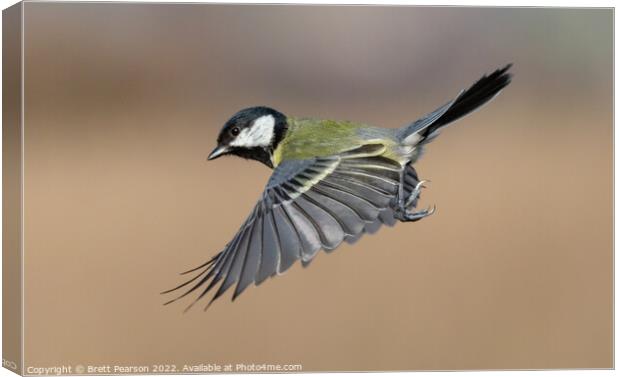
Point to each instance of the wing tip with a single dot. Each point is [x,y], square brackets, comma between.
[210,278]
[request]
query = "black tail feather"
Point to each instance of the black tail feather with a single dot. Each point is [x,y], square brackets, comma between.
[477,95]
[468,100]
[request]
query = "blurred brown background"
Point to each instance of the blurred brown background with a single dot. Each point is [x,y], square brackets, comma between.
[123,104]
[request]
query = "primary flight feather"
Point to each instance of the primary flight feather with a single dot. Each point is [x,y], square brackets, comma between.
[332,181]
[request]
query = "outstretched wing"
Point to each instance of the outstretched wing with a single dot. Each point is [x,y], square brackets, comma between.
[307,205]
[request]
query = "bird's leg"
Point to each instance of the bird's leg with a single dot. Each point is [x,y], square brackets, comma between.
[412,200]
[402,213]
[401,192]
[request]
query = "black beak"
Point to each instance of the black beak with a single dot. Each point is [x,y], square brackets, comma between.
[217,152]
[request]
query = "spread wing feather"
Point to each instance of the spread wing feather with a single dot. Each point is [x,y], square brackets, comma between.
[307,206]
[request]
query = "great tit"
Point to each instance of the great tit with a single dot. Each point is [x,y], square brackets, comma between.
[332,181]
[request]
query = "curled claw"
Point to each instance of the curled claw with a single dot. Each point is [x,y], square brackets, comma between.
[430,210]
[413,216]
[415,194]
[400,206]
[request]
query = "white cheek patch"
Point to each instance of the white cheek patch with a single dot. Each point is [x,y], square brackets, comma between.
[259,134]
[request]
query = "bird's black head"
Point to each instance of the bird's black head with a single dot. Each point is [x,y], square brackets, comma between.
[252,133]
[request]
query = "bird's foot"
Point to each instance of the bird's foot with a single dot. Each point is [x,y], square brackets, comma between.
[415,216]
[403,212]
[412,200]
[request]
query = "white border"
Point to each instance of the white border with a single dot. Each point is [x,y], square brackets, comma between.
[478,3]
[446,3]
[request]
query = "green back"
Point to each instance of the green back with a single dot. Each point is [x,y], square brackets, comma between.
[308,138]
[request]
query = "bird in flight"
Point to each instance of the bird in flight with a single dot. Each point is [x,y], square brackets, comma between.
[332,181]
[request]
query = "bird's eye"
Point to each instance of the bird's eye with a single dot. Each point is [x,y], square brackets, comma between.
[234,131]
